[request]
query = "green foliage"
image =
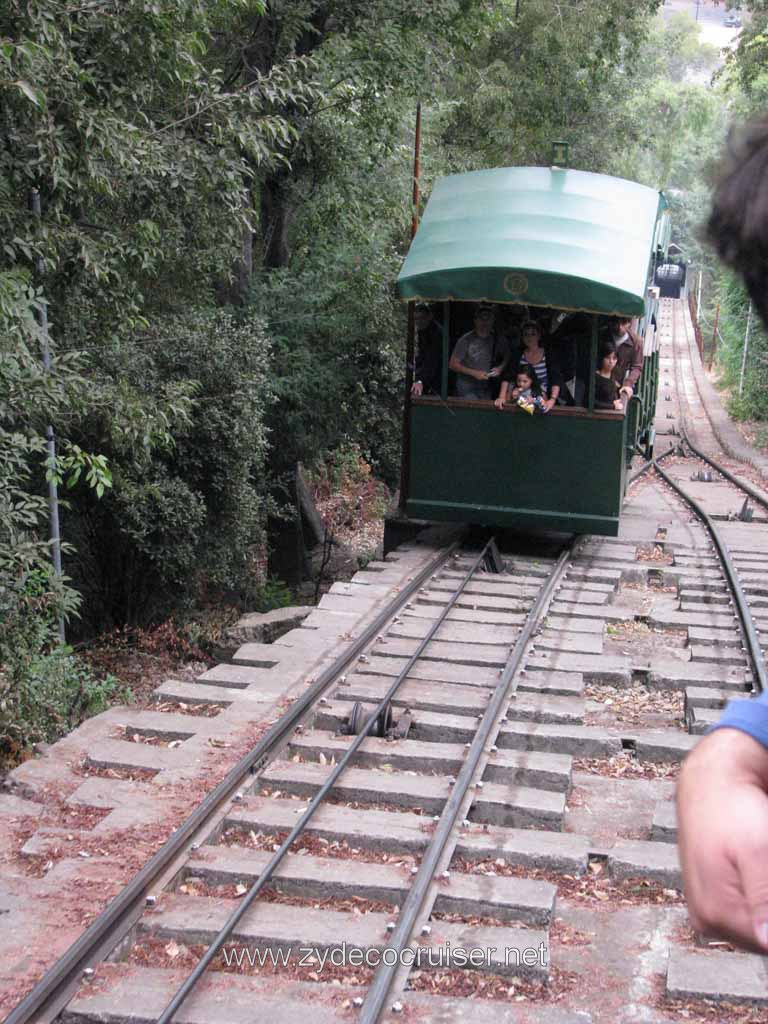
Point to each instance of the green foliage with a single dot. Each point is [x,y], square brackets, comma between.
[338,351]
[752,404]
[187,154]
[351,495]
[556,71]
[29,394]
[133,138]
[271,594]
[188,500]
[45,695]
[44,690]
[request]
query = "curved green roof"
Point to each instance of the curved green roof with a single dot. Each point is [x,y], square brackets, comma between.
[547,237]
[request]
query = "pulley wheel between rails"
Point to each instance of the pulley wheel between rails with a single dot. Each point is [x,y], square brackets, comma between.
[358,717]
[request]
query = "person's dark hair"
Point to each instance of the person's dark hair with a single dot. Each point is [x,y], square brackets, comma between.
[530,323]
[605,348]
[528,370]
[738,223]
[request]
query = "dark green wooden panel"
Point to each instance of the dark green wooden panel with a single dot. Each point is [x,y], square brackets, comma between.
[474,463]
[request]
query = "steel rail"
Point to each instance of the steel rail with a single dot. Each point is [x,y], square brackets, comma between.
[375,1000]
[274,862]
[118,913]
[648,464]
[760,676]
[745,487]
[747,621]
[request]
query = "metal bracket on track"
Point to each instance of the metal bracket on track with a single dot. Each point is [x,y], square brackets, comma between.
[746,512]
[493,562]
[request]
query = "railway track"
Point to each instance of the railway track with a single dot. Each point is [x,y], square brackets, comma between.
[522,803]
[472,716]
[717,492]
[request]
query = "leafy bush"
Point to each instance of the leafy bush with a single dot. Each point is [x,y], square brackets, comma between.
[190,493]
[337,356]
[271,594]
[752,404]
[346,491]
[46,694]
[45,690]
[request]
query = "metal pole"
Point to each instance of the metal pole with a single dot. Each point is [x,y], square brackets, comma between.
[746,348]
[410,346]
[713,349]
[416,173]
[446,349]
[592,365]
[698,296]
[50,437]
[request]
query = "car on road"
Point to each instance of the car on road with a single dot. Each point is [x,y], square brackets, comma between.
[732,20]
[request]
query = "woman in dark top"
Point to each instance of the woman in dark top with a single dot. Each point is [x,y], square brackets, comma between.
[539,359]
[606,388]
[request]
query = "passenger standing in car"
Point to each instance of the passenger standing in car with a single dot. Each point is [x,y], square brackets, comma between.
[428,370]
[479,357]
[606,387]
[539,358]
[629,355]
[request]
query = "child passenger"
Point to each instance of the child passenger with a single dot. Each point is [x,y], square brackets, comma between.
[527,391]
[606,388]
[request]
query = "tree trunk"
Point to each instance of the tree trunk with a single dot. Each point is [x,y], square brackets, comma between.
[276,213]
[245,265]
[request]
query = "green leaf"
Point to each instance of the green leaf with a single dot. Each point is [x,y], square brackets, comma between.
[31,94]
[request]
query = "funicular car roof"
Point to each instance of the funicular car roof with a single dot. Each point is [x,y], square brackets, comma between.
[545,237]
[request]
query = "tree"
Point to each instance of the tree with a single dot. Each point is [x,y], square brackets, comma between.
[555,71]
[366,54]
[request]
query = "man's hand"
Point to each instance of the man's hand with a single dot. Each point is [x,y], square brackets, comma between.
[722,806]
[549,404]
[499,402]
[626,390]
[417,389]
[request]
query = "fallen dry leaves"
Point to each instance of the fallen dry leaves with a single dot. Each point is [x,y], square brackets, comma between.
[633,705]
[626,766]
[653,553]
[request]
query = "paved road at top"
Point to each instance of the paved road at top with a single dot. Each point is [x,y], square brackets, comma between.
[709,16]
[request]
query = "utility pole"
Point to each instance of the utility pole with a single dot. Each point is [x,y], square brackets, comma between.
[713,350]
[50,437]
[698,296]
[746,348]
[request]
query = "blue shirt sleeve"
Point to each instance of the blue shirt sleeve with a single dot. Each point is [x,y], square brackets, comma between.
[749,716]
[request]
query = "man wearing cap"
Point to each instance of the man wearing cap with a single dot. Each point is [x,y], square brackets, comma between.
[479,357]
[428,370]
